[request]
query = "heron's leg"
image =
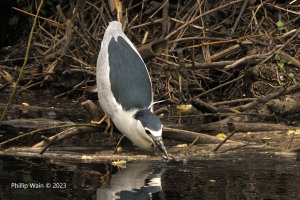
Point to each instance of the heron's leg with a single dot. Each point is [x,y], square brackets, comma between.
[109,125]
[118,144]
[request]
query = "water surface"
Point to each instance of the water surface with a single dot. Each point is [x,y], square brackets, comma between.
[234,176]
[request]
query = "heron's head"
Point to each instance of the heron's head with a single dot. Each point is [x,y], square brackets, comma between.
[153,128]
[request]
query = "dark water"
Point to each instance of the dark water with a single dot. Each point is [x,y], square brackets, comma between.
[247,176]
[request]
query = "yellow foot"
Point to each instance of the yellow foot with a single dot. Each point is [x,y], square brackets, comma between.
[109,125]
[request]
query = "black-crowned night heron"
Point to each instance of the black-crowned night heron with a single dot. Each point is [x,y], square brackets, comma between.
[125,90]
[139,180]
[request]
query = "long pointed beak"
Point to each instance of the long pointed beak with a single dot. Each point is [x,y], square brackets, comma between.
[160,145]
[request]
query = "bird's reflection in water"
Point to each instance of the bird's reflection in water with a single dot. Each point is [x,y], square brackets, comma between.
[139,180]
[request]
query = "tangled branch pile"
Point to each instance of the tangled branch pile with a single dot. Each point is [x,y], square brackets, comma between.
[216,50]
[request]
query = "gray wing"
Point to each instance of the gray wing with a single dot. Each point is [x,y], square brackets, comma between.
[130,81]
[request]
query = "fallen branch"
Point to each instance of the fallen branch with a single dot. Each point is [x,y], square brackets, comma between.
[63,135]
[40,130]
[105,155]
[226,52]
[247,59]
[266,98]
[237,21]
[190,136]
[201,105]
[284,106]
[251,127]
[226,127]
[295,149]
[234,101]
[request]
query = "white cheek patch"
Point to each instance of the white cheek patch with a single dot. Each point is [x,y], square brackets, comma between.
[155,133]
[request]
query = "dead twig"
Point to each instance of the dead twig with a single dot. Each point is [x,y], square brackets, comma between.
[237,21]
[235,101]
[202,15]
[221,143]
[249,58]
[16,83]
[220,86]
[39,17]
[287,57]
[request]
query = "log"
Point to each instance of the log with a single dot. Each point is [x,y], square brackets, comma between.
[104,157]
[202,105]
[190,136]
[252,127]
[226,127]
